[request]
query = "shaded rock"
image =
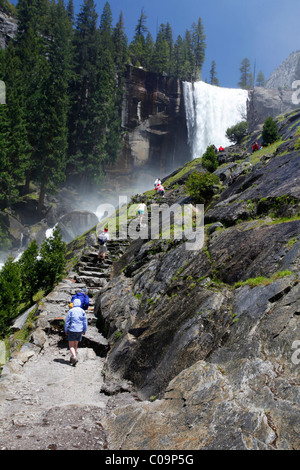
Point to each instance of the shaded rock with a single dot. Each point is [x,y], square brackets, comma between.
[247,251]
[8,29]
[75,223]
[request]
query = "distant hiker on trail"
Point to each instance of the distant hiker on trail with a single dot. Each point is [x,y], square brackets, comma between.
[75,327]
[83,297]
[255,146]
[141,210]
[157,182]
[221,149]
[103,238]
[160,189]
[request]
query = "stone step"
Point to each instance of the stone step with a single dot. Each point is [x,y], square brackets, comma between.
[94,274]
[92,281]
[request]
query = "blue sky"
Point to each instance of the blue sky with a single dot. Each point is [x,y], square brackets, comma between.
[264,31]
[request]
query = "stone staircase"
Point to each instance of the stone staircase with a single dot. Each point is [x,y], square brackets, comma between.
[94,274]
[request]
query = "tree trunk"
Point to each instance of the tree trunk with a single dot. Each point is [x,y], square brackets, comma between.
[41,197]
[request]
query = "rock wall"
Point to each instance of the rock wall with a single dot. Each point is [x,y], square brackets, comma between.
[265,102]
[154,123]
[8,29]
[218,359]
[287,72]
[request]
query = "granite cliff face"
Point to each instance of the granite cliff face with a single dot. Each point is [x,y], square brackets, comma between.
[193,360]
[219,359]
[264,102]
[287,72]
[155,132]
[8,29]
[279,94]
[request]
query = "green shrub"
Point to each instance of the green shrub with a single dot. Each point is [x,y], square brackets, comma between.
[201,186]
[10,294]
[236,133]
[270,131]
[209,159]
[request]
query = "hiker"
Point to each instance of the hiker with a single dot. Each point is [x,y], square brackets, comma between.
[103,238]
[255,146]
[161,190]
[157,182]
[141,210]
[83,297]
[75,327]
[221,149]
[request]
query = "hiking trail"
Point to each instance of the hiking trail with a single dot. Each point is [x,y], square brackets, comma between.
[45,402]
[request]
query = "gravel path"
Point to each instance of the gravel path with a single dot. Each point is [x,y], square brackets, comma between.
[53,405]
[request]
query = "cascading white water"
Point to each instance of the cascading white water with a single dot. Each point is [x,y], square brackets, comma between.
[210,110]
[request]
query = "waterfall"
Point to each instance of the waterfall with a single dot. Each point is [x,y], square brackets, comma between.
[210,110]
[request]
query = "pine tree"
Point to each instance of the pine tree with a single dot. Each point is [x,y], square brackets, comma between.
[178,63]
[107,95]
[209,159]
[149,51]
[51,267]
[189,58]
[161,55]
[137,48]
[43,47]
[199,46]
[70,11]
[29,271]
[10,294]
[14,148]
[260,81]
[270,131]
[213,75]
[53,134]
[83,119]
[31,53]
[168,33]
[246,79]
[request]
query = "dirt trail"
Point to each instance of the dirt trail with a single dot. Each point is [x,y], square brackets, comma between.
[45,402]
[53,405]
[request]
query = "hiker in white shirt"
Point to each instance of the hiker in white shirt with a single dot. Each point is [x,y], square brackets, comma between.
[141,210]
[102,239]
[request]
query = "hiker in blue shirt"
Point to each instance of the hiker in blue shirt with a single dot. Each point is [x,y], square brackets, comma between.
[75,327]
[83,297]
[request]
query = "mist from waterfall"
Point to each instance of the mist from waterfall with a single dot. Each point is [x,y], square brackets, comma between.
[210,110]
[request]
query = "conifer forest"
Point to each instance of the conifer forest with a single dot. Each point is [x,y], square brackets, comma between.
[64,78]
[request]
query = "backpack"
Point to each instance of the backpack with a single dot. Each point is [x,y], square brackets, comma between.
[84,299]
[102,239]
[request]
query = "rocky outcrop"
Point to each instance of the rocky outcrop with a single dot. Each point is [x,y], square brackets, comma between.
[75,223]
[265,102]
[154,122]
[279,94]
[217,357]
[287,72]
[8,29]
